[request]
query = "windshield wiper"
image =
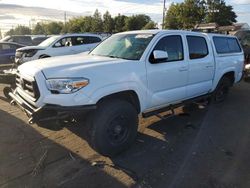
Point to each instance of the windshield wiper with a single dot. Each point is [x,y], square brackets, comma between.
[112,56]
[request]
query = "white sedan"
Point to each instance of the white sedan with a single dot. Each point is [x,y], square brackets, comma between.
[57,46]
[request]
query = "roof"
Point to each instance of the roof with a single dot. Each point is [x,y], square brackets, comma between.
[81,34]
[157,31]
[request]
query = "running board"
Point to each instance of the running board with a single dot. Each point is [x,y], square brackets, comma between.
[172,107]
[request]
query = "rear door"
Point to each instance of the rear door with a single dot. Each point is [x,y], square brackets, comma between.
[201,65]
[167,80]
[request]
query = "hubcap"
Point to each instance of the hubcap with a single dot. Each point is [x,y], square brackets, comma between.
[118,130]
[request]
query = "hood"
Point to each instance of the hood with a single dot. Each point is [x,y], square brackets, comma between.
[67,66]
[31,48]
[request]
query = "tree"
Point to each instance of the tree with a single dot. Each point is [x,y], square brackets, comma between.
[120,23]
[220,13]
[172,17]
[191,12]
[39,29]
[74,25]
[185,15]
[108,23]
[19,30]
[97,24]
[150,25]
[53,28]
[136,22]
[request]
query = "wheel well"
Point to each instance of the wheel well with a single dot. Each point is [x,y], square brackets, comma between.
[130,96]
[231,76]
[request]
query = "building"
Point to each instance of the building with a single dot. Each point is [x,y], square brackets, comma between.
[215,28]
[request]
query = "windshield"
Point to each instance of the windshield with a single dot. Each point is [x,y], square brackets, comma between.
[48,41]
[124,46]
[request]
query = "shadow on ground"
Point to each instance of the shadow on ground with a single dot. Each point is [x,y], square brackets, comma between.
[28,159]
[199,147]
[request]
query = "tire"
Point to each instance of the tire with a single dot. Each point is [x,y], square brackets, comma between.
[6,92]
[221,91]
[113,127]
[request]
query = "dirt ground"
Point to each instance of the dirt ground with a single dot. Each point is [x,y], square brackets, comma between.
[206,146]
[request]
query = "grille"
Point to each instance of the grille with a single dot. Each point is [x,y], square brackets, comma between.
[29,87]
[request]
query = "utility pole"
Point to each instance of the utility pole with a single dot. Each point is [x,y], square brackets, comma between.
[65,18]
[163,14]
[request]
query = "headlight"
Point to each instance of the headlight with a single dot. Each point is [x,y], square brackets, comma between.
[30,53]
[67,85]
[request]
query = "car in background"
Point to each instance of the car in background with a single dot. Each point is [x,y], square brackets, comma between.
[244,38]
[57,46]
[7,52]
[37,40]
[20,39]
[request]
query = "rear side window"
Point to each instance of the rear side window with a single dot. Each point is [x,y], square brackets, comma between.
[225,45]
[86,40]
[173,46]
[23,39]
[197,47]
[91,40]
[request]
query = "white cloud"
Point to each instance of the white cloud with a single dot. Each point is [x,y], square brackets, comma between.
[79,6]
[74,8]
[241,1]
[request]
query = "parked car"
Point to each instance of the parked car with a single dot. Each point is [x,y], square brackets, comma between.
[131,73]
[20,39]
[244,38]
[7,52]
[37,40]
[57,46]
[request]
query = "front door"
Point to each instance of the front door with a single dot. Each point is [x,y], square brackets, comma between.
[167,80]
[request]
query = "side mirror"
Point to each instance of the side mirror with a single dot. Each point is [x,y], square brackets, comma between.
[160,55]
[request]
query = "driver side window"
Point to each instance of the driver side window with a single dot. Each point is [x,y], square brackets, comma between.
[172,45]
[64,42]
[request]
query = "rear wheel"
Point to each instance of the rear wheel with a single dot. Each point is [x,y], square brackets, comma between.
[222,90]
[113,127]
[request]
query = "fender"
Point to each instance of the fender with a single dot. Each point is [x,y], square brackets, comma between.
[220,74]
[119,87]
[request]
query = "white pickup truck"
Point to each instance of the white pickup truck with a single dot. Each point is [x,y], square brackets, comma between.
[131,73]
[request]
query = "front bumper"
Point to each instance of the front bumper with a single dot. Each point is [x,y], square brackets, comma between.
[48,112]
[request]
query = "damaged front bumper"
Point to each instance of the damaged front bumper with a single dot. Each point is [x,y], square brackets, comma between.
[48,112]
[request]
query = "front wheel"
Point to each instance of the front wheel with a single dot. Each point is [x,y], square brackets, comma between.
[222,90]
[114,127]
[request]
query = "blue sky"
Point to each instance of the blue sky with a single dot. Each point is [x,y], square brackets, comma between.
[9,17]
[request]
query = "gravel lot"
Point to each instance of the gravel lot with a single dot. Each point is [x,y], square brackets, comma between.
[199,147]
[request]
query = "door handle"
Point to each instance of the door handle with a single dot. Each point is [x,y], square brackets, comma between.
[209,66]
[182,69]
